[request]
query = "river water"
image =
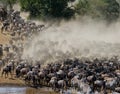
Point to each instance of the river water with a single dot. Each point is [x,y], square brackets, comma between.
[25,90]
[12,90]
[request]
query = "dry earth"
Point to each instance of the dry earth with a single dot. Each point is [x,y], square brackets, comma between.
[4,38]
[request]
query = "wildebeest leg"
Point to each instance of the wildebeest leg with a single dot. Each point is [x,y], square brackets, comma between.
[2,73]
[2,29]
[27,80]
[6,28]
[39,81]
[56,86]
[11,74]
[6,74]
[0,67]
[33,80]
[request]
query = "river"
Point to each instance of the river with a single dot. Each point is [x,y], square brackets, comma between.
[12,90]
[25,90]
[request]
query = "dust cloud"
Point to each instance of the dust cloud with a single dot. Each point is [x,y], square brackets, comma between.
[76,38]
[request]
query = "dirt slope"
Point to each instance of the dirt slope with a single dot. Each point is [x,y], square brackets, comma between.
[4,38]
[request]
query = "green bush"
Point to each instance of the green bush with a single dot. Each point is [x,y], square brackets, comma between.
[103,9]
[47,8]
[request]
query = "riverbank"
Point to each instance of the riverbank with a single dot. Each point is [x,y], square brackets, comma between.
[11,81]
[18,83]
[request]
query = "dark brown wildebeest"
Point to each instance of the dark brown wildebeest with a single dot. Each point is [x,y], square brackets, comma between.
[6,70]
[3,14]
[1,51]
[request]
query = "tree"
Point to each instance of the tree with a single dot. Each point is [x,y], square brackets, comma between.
[112,10]
[103,9]
[45,8]
[82,7]
[8,3]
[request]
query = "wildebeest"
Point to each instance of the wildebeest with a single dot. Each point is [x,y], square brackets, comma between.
[3,13]
[53,83]
[86,75]
[1,51]
[6,70]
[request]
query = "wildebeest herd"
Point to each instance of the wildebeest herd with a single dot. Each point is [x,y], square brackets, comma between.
[14,23]
[84,75]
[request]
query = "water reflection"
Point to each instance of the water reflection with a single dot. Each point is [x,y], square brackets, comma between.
[12,90]
[25,90]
